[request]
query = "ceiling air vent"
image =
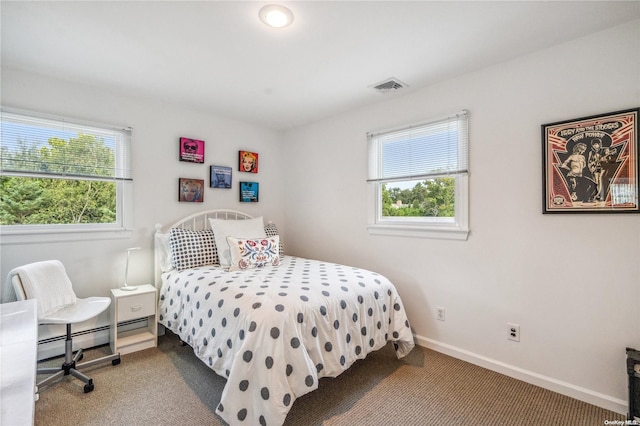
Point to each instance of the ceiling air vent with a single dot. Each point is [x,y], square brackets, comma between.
[390,85]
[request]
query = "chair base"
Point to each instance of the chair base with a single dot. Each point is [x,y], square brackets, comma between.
[71,365]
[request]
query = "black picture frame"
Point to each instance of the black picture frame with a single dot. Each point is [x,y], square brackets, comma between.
[590,164]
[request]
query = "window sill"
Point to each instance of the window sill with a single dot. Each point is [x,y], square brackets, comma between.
[435,232]
[31,236]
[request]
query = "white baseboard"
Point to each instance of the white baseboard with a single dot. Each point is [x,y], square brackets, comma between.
[586,395]
[54,347]
[52,339]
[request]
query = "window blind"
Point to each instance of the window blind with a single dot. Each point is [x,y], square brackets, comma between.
[46,147]
[432,149]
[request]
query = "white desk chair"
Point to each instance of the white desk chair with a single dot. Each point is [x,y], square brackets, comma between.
[48,283]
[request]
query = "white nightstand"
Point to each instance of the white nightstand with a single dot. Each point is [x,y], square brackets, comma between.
[126,307]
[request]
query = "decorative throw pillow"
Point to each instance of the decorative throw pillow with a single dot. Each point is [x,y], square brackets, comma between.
[190,249]
[248,228]
[253,253]
[271,230]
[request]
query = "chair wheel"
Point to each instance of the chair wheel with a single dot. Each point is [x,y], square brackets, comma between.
[115,361]
[81,356]
[88,388]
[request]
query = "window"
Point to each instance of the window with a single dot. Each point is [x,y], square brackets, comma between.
[60,176]
[420,178]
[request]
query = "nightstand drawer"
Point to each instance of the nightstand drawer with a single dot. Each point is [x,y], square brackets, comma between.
[133,304]
[136,306]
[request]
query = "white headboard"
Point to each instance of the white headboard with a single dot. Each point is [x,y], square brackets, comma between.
[196,221]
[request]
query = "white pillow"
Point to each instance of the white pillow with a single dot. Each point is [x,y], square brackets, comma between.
[248,228]
[251,253]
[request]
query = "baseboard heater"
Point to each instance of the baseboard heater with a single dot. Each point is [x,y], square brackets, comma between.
[633,369]
[53,346]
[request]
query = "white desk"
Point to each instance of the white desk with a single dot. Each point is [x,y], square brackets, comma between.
[18,358]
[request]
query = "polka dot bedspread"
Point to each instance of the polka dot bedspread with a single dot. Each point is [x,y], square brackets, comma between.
[273,332]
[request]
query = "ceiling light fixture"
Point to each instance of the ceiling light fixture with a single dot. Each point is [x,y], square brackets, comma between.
[276,16]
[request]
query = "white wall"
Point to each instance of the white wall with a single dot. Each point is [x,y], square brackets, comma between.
[570,281]
[97,266]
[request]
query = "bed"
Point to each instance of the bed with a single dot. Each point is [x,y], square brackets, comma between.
[270,323]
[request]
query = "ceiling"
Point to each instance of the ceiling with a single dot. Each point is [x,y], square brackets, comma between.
[217,56]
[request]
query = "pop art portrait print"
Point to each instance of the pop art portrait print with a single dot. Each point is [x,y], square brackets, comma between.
[249,192]
[220,177]
[191,150]
[248,162]
[591,164]
[190,190]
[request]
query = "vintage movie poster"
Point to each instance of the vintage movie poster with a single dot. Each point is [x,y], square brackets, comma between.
[191,150]
[591,164]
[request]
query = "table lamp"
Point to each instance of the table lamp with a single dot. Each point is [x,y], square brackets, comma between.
[126,271]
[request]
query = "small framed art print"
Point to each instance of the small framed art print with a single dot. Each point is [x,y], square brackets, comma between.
[191,150]
[220,177]
[590,164]
[249,192]
[190,190]
[248,162]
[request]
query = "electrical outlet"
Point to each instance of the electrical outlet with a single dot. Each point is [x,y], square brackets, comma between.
[514,332]
[440,313]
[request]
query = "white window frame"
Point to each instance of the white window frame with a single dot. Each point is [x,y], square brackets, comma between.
[121,228]
[456,228]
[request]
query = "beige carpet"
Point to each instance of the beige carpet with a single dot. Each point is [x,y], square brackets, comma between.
[170,386]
